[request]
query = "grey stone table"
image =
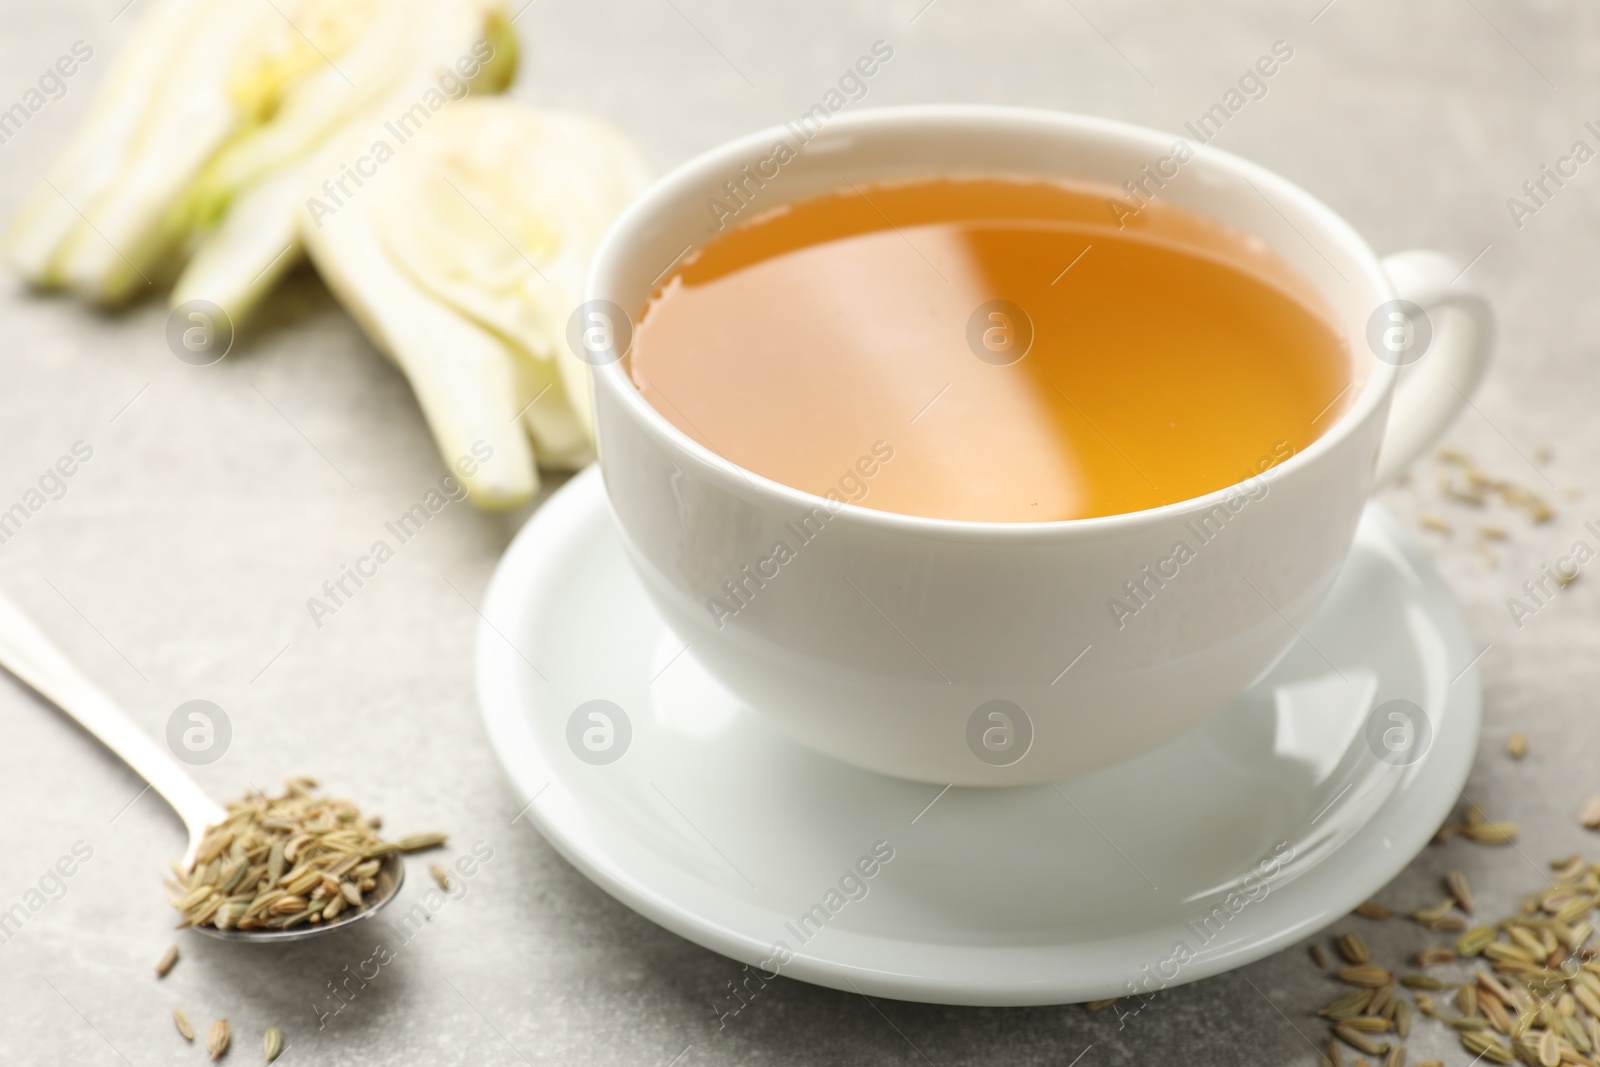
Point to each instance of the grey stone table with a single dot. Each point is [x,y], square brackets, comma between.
[178,561]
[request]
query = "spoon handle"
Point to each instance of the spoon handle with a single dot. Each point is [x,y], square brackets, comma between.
[26,652]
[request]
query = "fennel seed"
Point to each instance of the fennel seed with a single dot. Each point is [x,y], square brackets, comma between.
[217,1039]
[1456,883]
[419,842]
[1590,815]
[1352,948]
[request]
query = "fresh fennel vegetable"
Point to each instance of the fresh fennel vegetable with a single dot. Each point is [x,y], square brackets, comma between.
[205,111]
[463,258]
[231,137]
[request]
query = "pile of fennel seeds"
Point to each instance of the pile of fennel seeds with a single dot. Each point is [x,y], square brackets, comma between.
[1533,994]
[277,862]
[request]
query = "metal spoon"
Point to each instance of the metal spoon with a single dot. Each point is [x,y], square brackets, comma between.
[26,652]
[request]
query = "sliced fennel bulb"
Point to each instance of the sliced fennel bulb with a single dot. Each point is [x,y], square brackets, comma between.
[461,250]
[210,103]
[236,262]
[487,219]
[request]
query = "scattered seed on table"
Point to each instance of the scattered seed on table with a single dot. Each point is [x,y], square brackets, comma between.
[1486,1046]
[1359,1041]
[1429,916]
[1367,975]
[1456,883]
[1590,815]
[1474,941]
[217,1039]
[419,842]
[1495,833]
[1351,1004]
[1367,1024]
[1430,521]
[1352,948]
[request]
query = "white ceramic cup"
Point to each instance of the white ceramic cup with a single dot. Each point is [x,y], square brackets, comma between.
[989,653]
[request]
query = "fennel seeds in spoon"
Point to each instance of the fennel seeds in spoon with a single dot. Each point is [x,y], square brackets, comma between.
[277,862]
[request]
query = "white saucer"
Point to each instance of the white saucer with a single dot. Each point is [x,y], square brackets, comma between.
[725,832]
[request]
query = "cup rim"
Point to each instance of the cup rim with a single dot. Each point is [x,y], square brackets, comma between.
[599,284]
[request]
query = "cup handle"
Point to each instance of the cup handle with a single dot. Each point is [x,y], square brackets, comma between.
[1433,392]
